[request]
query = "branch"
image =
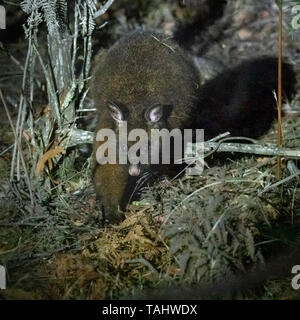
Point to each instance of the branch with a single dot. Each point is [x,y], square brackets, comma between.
[258,149]
[278,183]
[103,9]
[77,136]
[74,137]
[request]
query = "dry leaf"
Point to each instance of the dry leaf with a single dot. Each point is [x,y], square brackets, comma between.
[47,157]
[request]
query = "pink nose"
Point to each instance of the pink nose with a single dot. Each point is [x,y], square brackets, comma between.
[134,170]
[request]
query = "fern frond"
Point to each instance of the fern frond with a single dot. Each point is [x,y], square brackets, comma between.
[62,14]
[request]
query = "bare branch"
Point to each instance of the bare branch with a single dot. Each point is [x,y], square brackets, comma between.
[78,136]
[103,9]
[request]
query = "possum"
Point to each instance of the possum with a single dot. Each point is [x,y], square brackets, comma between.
[147,80]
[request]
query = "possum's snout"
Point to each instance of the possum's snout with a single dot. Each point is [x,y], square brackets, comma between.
[134,170]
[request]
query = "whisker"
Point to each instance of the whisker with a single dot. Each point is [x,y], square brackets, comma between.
[144,177]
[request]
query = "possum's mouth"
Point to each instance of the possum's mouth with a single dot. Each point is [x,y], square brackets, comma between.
[134,170]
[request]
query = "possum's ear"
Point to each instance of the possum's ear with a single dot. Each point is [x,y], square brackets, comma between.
[116,112]
[154,113]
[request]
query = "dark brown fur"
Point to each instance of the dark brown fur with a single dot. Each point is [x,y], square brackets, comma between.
[145,69]
[139,71]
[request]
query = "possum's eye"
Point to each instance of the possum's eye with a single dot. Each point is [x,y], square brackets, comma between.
[116,112]
[154,113]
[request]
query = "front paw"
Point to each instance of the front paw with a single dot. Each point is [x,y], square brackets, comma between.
[112,214]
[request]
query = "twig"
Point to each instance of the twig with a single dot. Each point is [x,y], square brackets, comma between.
[19,148]
[103,9]
[272,186]
[279,103]
[293,169]
[164,44]
[4,151]
[87,110]
[75,36]
[266,150]
[15,156]
[220,136]
[217,146]
[53,99]
[77,136]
